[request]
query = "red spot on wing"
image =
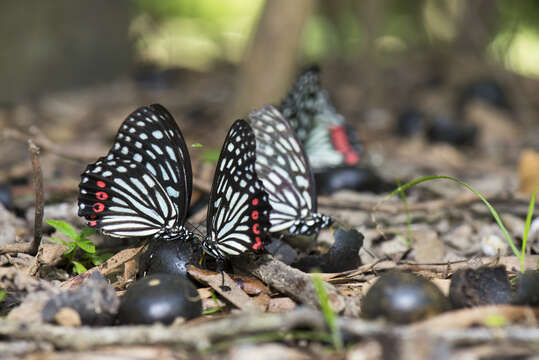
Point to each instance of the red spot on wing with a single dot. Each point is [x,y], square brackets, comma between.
[98,207]
[93,216]
[258,243]
[101,195]
[254,215]
[101,184]
[339,138]
[256,228]
[254,201]
[92,223]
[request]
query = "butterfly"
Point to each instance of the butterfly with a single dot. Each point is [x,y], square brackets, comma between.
[142,187]
[285,172]
[238,208]
[328,141]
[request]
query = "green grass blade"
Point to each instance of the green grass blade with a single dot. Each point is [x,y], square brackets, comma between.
[529,216]
[212,311]
[2,295]
[327,311]
[491,209]
[408,237]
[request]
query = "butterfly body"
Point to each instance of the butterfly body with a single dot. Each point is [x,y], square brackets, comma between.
[285,172]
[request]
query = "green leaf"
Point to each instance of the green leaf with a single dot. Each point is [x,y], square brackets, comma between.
[100,259]
[72,246]
[531,208]
[2,295]
[87,231]
[86,245]
[197,145]
[78,268]
[329,315]
[63,227]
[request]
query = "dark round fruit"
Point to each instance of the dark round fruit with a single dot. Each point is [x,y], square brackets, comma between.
[410,122]
[355,178]
[159,298]
[168,257]
[445,129]
[482,286]
[6,196]
[342,256]
[527,292]
[486,90]
[402,298]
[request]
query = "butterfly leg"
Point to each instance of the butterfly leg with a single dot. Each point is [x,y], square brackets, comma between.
[220,268]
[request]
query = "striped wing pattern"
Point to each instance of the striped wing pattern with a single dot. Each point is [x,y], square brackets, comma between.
[142,187]
[238,209]
[321,129]
[283,167]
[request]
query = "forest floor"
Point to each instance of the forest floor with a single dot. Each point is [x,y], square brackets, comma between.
[440,228]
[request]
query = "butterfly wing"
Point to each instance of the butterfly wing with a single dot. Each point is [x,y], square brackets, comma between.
[238,209]
[283,167]
[317,123]
[143,185]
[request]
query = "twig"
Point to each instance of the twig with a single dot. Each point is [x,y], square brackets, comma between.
[295,283]
[200,336]
[204,335]
[234,293]
[510,262]
[46,144]
[378,206]
[106,268]
[40,199]
[32,247]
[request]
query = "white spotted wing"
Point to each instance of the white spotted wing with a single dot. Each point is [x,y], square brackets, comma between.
[282,166]
[320,128]
[238,209]
[142,187]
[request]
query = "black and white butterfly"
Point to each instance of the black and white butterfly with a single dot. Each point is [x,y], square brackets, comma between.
[238,209]
[285,172]
[142,187]
[322,130]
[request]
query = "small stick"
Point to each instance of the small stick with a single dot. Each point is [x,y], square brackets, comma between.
[40,139]
[40,198]
[32,247]
[294,283]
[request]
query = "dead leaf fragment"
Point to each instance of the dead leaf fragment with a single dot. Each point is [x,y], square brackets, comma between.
[528,170]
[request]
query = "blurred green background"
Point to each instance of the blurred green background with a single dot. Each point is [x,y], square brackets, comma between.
[60,44]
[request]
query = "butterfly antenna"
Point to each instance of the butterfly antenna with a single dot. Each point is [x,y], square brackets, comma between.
[196,230]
